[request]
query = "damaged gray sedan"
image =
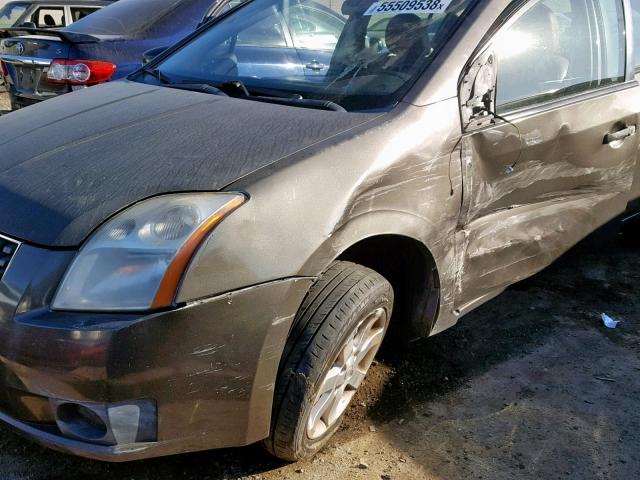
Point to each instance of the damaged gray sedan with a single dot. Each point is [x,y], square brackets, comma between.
[207,256]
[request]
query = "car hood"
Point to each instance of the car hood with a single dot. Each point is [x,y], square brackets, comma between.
[68,164]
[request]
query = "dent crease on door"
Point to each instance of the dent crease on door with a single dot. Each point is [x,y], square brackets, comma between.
[531,195]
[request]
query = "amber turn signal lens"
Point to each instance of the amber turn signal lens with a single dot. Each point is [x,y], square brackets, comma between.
[171,280]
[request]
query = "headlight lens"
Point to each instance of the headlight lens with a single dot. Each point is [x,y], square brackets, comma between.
[135,261]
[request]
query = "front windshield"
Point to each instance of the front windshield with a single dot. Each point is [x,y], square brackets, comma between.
[10,13]
[360,54]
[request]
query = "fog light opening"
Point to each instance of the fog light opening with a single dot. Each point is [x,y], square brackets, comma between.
[81,421]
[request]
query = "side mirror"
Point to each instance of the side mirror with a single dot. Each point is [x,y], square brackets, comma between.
[27,25]
[151,54]
[477,92]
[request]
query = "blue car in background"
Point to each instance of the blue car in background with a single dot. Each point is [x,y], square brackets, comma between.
[104,46]
[110,44]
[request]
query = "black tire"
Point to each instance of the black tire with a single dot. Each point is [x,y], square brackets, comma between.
[334,307]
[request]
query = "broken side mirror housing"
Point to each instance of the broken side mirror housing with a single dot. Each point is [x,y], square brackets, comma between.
[477,92]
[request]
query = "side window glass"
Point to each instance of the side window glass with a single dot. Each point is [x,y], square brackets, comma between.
[612,47]
[78,13]
[635,15]
[560,47]
[264,33]
[313,29]
[10,14]
[49,17]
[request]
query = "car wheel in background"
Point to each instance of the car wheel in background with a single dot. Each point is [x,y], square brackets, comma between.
[336,334]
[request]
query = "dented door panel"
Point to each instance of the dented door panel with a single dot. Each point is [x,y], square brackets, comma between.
[536,187]
[635,189]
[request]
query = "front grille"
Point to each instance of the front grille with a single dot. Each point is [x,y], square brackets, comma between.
[7,250]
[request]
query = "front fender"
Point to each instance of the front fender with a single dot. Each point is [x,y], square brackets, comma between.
[365,226]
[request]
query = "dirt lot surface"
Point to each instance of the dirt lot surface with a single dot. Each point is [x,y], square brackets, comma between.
[4,100]
[529,386]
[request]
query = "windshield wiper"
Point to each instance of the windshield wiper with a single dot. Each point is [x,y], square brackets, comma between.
[237,85]
[198,87]
[298,101]
[295,100]
[157,74]
[191,85]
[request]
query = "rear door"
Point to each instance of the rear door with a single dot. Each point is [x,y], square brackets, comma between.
[558,161]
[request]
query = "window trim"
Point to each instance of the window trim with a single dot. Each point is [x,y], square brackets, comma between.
[557,104]
[632,68]
[568,100]
[511,15]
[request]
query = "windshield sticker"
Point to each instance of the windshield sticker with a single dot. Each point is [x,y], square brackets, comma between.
[407,6]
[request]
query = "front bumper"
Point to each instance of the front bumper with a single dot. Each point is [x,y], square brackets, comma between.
[208,368]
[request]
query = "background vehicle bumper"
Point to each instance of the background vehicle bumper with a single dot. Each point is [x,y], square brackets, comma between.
[206,370]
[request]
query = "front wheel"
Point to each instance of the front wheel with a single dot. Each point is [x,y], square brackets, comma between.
[336,335]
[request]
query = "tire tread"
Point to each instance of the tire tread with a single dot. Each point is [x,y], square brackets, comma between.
[330,301]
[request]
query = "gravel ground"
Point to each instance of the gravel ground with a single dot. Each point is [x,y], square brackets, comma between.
[4,100]
[530,385]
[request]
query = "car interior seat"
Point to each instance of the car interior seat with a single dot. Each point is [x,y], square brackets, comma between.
[49,21]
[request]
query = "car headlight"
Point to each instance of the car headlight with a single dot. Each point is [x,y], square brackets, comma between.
[136,260]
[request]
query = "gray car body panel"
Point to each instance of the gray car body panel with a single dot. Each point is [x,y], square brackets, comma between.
[317,183]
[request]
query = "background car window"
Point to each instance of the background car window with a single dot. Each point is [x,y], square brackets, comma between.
[267,32]
[49,17]
[635,15]
[313,29]
[9,14]
[78,13]
[142,18]
[560,47]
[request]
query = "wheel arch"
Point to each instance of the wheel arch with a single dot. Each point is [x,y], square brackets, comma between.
[411,269]
[390,244]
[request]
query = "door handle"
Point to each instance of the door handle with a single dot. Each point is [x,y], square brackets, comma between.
[314,65]
[619,135]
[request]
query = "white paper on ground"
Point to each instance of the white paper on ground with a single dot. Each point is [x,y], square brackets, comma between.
[609,322]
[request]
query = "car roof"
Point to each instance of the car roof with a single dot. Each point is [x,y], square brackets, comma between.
[63,2]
